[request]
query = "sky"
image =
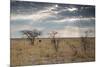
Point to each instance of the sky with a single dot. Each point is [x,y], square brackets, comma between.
[68,20]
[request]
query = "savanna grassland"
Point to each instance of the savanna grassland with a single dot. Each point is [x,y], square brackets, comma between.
[43,52]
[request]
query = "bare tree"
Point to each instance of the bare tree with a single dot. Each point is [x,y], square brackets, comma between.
[31,35]
[53,39]
[84,39]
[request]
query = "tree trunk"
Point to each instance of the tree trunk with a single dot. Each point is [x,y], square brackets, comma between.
[54,41]
[33,39]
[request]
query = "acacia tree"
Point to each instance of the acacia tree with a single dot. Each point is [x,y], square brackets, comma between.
[53,39]
[84,39]
[31,35]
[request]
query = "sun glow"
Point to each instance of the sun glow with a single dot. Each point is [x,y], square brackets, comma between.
[73,19]
[72,9]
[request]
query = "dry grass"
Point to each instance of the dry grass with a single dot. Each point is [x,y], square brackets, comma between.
[69,50]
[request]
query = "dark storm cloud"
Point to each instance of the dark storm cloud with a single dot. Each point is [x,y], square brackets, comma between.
[20,7]
[85,11]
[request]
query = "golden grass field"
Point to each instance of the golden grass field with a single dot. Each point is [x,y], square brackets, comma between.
[43,52]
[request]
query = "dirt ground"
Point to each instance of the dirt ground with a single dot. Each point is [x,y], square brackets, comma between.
[70,50]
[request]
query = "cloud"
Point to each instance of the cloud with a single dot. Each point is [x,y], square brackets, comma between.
[72,9]
[75,32]
[54,11]
[69,32]
[68,20]
[24,27]
[73,19]
[37,16]
[34,17]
